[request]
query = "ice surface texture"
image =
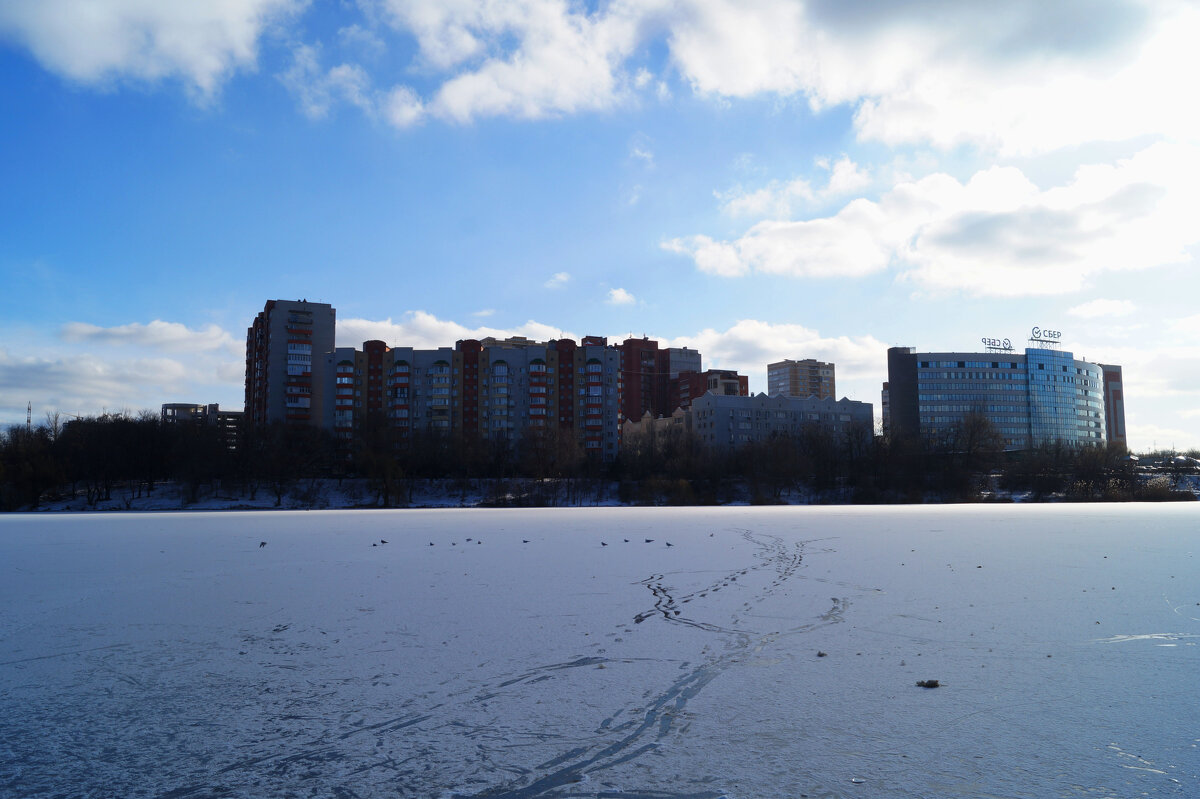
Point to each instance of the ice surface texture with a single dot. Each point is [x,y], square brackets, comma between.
[170,655]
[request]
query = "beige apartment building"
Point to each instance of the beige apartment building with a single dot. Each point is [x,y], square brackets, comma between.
[807,378]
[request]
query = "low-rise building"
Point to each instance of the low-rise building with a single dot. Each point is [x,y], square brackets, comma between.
[722,421]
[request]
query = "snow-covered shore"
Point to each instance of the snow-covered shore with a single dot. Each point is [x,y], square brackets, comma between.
[637,652]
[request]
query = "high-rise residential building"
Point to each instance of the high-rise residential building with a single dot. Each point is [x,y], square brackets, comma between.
[1044,395]
[885,408]
[486,389]
[807,378]
[647,372]
[683,359]
[289,364]
[1114,404]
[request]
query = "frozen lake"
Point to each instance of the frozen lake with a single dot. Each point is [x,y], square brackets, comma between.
[767,652]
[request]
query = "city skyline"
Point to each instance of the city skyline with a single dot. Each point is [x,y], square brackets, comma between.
[760,182]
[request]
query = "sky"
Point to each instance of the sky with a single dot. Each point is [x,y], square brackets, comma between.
[758,180]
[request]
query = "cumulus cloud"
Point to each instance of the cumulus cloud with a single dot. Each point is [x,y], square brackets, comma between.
[1028,77]
[523,58]
[557,280]
[170,336]
[749,345]
[997,234]
[402,107]
[620,297]
[423,330]
[1019,77]
[1102,308]
[89,383]
[1022,76]
[96,43]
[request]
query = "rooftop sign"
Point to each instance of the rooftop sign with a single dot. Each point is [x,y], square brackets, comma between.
[1045,337]
[997,345]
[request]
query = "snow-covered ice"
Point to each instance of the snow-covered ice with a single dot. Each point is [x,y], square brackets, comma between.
[767,652]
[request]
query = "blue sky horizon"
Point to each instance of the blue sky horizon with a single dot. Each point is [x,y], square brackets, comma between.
[758,180]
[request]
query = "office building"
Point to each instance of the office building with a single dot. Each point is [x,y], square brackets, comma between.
[1041,396]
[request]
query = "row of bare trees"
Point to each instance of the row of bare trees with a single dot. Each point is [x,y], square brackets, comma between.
[124,456]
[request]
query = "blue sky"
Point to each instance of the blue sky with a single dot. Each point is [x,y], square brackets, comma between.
[759,180]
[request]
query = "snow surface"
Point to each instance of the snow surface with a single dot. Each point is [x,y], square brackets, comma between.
[170,655]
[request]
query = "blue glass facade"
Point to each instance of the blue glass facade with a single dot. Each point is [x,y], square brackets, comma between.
[1042,396]
[1066,398]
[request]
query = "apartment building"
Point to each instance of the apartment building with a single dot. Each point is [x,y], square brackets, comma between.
[289,364]
[807,378]
[1114,404]
[688,386]
[228,424]
[647,372]
[724,421]
[483,389]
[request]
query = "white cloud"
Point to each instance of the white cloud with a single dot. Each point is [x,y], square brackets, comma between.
[423,330]
[96,43]
[169,336]
[714,257]
[639,149]
[523,58]
[997,234]
[402,107]
[1102,308]
[1020,76]
[778,198]
[318,90]
[749,345]
[620,297]
[557,280]
[1028,77]
[361,39]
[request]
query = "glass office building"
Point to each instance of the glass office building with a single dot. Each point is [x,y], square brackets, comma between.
[1042,396]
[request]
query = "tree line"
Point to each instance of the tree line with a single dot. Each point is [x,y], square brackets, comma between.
[122,457]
